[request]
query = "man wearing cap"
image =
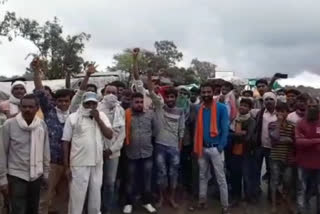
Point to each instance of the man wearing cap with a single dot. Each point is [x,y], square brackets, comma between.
[11,107]
[264,118]
[84,134]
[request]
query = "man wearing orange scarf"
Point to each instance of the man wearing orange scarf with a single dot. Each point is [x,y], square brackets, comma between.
[139,150]
[212,129]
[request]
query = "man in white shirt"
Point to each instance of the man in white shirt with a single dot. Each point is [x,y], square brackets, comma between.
[11,107]
[24,157]
[264,117]
[301,108]
[84,135]
[116,115]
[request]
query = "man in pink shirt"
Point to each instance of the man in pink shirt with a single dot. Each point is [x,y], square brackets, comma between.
[307,153]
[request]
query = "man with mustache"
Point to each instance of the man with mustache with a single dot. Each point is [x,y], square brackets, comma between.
[212,129]
[170,122]
[24,158]
[291,97]
[139,151]
[11,107]
[307,153]
[55,113]
[264,117]
[301,108]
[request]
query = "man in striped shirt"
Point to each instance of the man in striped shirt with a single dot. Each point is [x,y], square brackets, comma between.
[281,134]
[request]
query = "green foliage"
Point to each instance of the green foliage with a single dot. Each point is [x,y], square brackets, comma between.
[60,52]
[165,56]
[168,51]
[182,76]
[161,62]
[203,69]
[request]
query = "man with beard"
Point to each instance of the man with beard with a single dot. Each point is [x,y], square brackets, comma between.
[11,107]
[301,108]
[291,97]
[116,115]
[170,123]
[294,117]
[264,117]
[25,159]
[139,149]
[121,87]
[212,129]
[126,99]
[84,134]
[307,153]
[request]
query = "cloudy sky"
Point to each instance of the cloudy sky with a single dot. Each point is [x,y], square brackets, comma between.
[253,38]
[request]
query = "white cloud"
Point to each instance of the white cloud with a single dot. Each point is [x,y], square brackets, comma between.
[305,78]
[253,38]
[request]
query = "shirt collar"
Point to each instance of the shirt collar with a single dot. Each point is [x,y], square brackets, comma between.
[266,111]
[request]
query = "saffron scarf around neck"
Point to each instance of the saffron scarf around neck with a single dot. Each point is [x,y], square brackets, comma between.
[128,117]
[198,146]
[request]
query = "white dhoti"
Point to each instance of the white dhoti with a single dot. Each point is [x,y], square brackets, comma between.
[85,179]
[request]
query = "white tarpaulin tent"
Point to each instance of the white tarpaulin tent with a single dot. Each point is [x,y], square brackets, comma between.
[53,84]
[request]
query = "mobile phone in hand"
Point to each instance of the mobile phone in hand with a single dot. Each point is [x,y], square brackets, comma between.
[281,76]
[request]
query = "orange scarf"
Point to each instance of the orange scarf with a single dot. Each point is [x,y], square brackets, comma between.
[128,117]
[198,146]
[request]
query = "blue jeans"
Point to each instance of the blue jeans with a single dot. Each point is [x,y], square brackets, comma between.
[243,170]
[144,168]
[110,167]
[281,173]
[303,176]
[167,160]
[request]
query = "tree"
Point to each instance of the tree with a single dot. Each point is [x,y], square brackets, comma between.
[181,76]
[203,69]
[123,61]
[168,51]
[59,52]
[147,60]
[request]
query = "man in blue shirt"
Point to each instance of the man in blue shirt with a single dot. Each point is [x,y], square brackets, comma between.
[211,139]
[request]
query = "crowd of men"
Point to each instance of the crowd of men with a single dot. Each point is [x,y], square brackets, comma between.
[140,144]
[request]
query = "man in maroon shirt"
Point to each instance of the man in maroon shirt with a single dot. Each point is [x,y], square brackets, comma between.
[307,153]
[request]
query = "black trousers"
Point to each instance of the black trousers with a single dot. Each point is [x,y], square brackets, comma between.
[24,195]
[143,185]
